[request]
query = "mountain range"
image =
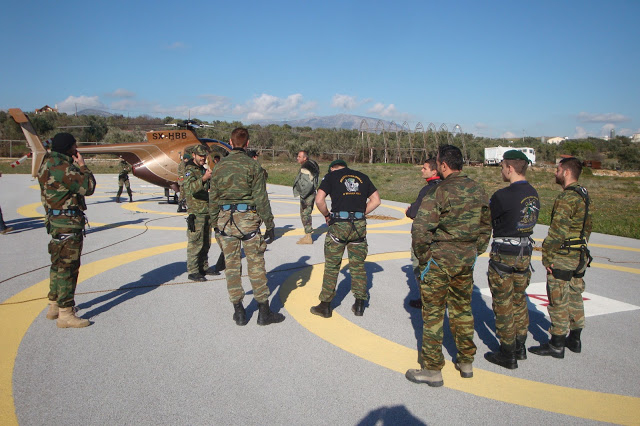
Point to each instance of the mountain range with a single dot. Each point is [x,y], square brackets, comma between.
[338,121]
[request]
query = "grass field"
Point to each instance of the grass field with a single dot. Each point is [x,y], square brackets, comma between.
[615,202]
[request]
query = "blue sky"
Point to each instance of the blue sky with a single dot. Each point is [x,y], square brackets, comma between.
[498,69]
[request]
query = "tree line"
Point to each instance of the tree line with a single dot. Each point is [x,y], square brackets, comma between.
[376,147]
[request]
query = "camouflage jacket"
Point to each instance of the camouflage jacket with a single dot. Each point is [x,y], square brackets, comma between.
[63,186]
[195,190]
[567,218]
[125,169]
[238,179]
[453,223]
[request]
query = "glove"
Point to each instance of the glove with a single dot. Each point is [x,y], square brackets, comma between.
[270,235]
[191,223]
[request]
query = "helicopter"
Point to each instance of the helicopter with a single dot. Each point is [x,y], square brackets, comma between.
[154,161]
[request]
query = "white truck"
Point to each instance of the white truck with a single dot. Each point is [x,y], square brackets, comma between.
[493,156]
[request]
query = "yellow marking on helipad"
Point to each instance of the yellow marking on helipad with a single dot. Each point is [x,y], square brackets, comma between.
[354,339]
[15,320]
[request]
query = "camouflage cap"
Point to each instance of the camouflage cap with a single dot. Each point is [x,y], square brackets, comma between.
[514,154]
[201,150]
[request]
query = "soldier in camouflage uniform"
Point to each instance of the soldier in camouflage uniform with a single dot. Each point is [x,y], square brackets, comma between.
[63,188]
[123,179]
[196,187]
[304,187]
[353,196]
[451,229]
[238,205]
[566,257]
[514,213]
[182,204]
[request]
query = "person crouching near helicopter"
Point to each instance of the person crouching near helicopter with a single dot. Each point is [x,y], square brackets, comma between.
[123,180]
[64,185]
[196,188]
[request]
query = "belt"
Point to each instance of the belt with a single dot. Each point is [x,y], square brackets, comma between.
[513,241]
[347,215]
[242,208]
[70,213]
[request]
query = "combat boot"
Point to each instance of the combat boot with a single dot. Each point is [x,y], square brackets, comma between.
[130,195]
[323,309]
[305,240]
[6,230]
[266,317]
[465,369]
[182,207]
[196,277]
[118,199]
[358,307]
[573,342]
[554,347]
[53,311]
[506,357]
[521,350]
[67,319]
[431,377]
[240,315]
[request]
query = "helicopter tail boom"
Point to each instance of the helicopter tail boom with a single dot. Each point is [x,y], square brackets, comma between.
[37,148]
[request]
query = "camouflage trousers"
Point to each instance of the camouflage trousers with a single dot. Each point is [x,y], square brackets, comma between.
[65,249]
[198,245]
[181,195]
[566,308]
[439,291]
[124,182]
[236,226]
[306,208]
[343,235]
[508,296]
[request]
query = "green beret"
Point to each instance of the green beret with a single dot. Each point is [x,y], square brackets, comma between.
[187,155]
[337,163]
[514,154]
[201,150]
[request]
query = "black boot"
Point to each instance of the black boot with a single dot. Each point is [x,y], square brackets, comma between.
[554,347]
[573,342]
[221,264]
[358,307]
[521,350]
[506,357]
[323,309]
[240,315]
[118,195]
[266,317]
[130,195]
[415,303]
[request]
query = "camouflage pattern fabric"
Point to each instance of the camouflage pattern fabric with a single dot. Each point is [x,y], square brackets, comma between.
[198,245]
[63,187]
[181,167]
[566,308]
[195,190]
[123,176]
[333,251]
[238,179]
[306,208]
[243,224]
[509,298]
[439,290]
[452,227]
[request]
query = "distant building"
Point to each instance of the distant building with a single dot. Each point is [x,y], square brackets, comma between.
[635,137]
[556,140]
[46,108]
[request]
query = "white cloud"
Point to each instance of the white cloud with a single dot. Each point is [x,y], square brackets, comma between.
[121,93]
[606,129]
[580,133]
[609,117]
[344,102]
[267,106]
[481,126]
[78,103]
[176,45]
[508,135]
[383,111]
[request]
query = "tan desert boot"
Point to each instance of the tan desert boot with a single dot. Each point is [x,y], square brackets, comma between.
[306,239]
[67,319]
[52,313]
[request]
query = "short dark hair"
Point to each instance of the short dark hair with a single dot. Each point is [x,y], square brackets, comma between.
[252,153]
[239,137]
[433,165]
[519,166]
[451,155]
[306,153]
[572,164]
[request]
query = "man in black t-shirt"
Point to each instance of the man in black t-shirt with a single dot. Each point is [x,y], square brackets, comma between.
[514,213]
[353,195]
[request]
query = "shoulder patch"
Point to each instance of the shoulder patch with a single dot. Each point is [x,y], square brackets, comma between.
[187,174]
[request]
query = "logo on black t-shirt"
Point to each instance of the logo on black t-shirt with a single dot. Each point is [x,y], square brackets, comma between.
[351,184]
